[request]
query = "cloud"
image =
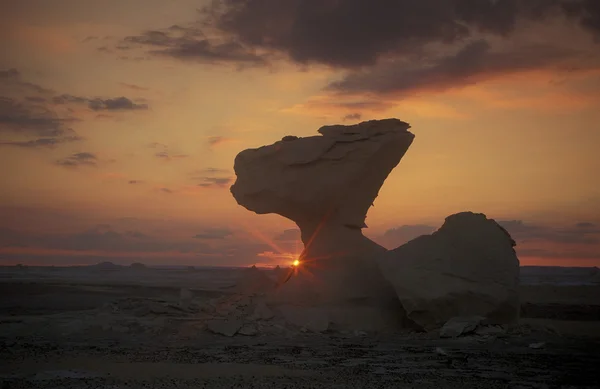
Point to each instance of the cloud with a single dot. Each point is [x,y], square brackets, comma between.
[473,62]
[214,233]
[292,234]
[188,43]
[352,116]
[214,141]
[117,104]
[30,119]
[135,182]
[220,182]
[100,238]
[581,240]
[165,156]
[133,87]
[40,142]
[79,159]
[98,104]
[581,233]
[32,111]
[212,177]
[398,236]
[166,190]
[12,78]
[320,31]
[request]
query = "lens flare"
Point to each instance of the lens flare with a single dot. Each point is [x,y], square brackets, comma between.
[296,262]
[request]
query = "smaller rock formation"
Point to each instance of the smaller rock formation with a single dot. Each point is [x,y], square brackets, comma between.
[466,268]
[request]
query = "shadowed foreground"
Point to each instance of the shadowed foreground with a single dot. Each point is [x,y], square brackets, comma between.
[75,329]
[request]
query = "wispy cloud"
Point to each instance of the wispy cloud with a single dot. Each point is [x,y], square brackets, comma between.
[79,159]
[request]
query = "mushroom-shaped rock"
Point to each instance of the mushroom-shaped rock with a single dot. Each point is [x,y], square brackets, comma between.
[466,268]
[326,184]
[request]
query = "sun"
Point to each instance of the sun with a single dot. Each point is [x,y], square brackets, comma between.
[296,263]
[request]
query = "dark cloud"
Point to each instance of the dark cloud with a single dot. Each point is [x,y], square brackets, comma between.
[28,115]
[356,33]
[214,233]
[12,78]
[581,233]
[31,119]
[586,12]
[79,159]
[116,104]
[212,177]
[469,65]
[98,104]
[189,43]
[211,171]
[544,253]
[388,46]
[292,235]
[41,142]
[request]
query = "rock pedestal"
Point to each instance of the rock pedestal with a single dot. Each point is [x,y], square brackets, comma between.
[326,184]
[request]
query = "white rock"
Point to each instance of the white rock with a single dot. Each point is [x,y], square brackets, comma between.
[326,184]
[227,327]
[262,311]
[248,330]
[185,295]
[466,268]
[313,319]
[537,345]
[460,325]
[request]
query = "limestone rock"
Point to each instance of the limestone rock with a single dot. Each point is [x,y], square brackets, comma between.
[326,184]
[248,330]
[460,325]
[307,318]
[227,327]
[466,268]
[336,175]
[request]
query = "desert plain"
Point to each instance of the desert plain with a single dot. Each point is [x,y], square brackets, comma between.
[112,326]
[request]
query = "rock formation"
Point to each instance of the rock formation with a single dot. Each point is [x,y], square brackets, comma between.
[326,184]
[466,268]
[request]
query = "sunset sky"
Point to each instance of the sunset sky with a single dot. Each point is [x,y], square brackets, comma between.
[120,121]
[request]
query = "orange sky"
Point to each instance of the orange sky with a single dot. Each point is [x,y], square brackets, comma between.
[120,121]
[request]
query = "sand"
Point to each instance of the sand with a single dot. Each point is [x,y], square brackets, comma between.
[69,328]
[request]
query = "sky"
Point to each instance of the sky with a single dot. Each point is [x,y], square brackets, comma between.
[120,121]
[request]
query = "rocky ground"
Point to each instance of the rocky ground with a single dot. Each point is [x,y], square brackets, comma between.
[76,335]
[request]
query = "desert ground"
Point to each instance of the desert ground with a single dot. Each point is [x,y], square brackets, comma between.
[139,327]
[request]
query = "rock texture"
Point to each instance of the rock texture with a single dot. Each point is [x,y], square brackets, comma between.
[466,268]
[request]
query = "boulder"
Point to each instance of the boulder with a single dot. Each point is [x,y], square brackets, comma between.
[226,327]
[460,325]
[466,268]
